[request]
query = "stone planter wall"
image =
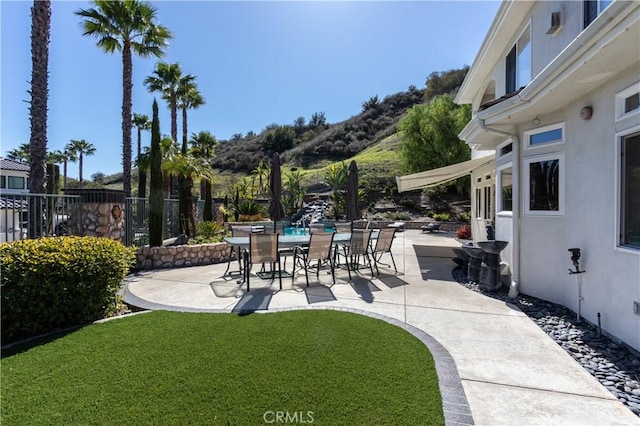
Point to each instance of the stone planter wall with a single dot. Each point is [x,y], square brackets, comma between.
[178,256]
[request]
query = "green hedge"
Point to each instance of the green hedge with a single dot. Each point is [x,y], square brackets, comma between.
[51,283]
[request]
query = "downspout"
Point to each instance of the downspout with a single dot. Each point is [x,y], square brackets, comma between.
[515,270]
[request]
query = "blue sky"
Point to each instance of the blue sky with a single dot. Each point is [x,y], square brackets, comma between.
[256,63]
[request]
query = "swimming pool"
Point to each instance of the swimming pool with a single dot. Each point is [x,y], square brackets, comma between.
[292,230]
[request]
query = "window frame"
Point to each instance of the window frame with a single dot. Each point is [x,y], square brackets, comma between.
[526,206]
[555,126]
[3,182]
[621,97]
[512,55]
[498,197]
[618,206]
[599,10]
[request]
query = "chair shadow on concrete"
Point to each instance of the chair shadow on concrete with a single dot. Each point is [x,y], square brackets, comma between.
[364,287]
[435,262]
[392,281]
[319,293]
[256,300]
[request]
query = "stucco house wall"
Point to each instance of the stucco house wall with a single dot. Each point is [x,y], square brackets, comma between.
[612,280]
[608,63]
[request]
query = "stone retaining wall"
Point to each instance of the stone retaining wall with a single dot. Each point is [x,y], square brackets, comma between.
[444,226]
[185,255]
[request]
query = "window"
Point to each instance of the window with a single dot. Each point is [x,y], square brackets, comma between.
[506,149]
[545,135]
[3,182]
[630,191]
[478,203]
[523,62]
[510,77]
[632,103]
[593,8]
[487,202]
[518,64]
[544,185]
[16,182]
[628,102]
[506,189]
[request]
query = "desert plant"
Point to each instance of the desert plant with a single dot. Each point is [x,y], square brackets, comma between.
[249,208]
[208,232]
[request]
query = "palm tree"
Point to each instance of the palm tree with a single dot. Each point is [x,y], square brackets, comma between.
[188,96]
[20,154]
[166,80]
[40,35]
[82,148]
[53,170]
[69,155]
[187,166]
[143,163]
[141,122]
[127,27]
[203,145]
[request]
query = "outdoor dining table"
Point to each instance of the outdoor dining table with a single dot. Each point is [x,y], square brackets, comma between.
[289,241]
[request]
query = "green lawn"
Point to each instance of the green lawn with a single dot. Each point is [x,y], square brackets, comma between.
[178,368]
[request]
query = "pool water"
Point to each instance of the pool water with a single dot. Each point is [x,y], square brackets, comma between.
[292,230]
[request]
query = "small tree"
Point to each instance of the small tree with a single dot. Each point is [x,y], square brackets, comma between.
[430,136]
[372,103]
[156,200]
[279,139]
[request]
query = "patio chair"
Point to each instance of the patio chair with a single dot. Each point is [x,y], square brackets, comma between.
[316,227]
[343,227]
[237,231]
[319,248]
[357,246]
[263,248]
[382,246]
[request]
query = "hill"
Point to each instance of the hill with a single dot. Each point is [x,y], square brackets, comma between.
[317,146]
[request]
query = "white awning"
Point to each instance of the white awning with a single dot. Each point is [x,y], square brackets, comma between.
[442,175]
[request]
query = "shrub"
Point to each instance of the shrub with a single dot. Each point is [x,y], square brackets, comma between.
[51,283]
[443,217]
[464,232]
[398,216]
[464,216]
[208,232]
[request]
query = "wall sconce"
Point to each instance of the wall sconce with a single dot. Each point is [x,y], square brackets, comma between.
[586,113]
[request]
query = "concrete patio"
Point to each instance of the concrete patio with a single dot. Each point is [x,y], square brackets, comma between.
[510,371]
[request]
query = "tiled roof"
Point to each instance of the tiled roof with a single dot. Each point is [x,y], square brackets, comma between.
[13,203]
[500,99]
[14,165]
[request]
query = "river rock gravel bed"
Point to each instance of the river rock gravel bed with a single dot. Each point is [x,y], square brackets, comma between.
[615,365]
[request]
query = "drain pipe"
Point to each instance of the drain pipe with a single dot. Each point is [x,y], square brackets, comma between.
[515,213]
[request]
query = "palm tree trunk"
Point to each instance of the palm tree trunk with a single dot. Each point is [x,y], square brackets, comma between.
[40,34]
[80,173]
[65,173]
[127,77]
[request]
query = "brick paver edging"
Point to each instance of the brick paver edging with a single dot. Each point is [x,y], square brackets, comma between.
[454,401]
